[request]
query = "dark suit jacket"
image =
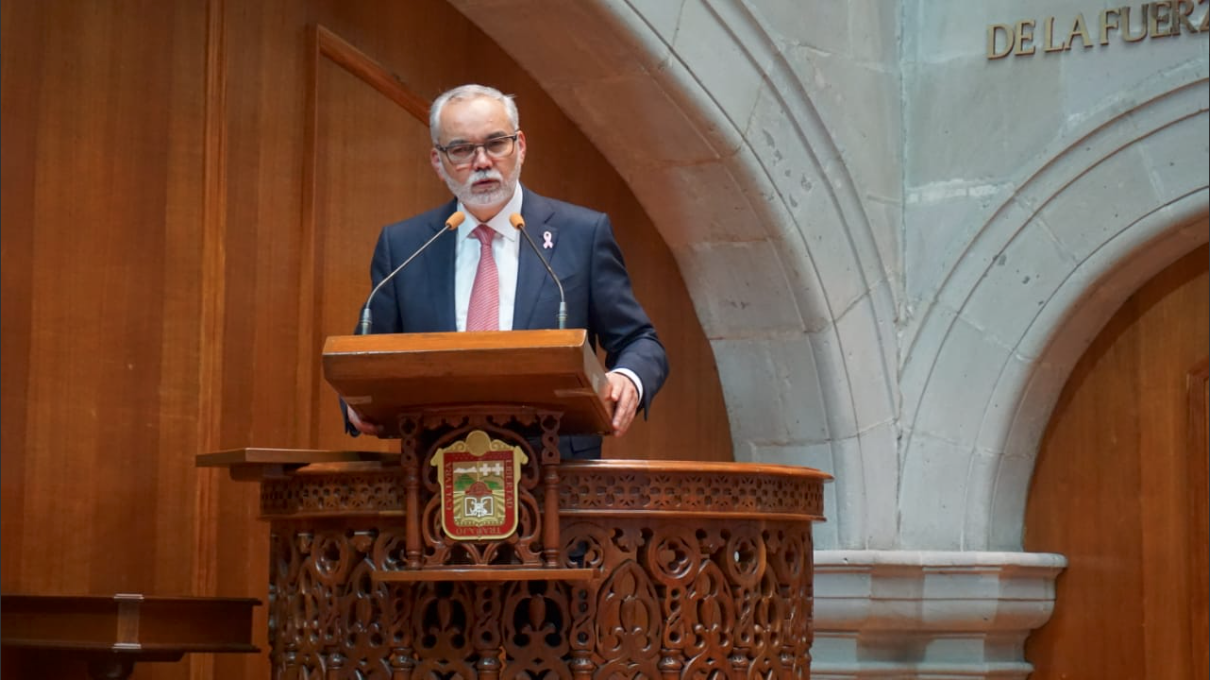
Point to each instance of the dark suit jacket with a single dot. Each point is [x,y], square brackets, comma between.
[585,257]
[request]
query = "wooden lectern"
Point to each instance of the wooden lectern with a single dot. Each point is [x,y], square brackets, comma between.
[476,553]
[389,377]
[499,390]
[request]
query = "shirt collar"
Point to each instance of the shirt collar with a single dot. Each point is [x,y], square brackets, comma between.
[499,223]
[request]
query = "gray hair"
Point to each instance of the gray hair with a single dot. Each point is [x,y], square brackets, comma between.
[463,92]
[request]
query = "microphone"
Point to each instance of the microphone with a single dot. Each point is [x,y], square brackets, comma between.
[363,326]
[517,221]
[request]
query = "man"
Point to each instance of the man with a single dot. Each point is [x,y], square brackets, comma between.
[483,278]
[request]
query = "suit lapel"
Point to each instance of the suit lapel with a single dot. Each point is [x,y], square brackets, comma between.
[439,276]
[531,275]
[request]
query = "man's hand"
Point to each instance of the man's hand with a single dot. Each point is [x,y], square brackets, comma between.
[363,426]
[625,399]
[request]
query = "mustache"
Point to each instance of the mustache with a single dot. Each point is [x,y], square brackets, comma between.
[485,174]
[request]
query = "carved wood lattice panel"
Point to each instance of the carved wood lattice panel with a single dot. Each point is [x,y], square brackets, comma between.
[674,599]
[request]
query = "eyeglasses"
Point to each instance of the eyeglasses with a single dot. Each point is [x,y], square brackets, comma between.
[464,152]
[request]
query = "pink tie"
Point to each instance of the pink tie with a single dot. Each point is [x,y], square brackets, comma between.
[484,311]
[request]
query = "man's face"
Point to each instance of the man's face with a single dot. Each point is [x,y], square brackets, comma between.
[482,181]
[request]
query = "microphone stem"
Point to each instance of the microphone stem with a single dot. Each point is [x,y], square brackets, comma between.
[367,317]
[363,326]
[562,317]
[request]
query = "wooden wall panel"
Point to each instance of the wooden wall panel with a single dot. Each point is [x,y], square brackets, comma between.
[1112,491]
[264,57]
[1197,451]
[181,227]
[1173,338]
[102,210]
[266,72]
[372,167]
[102,226]
[21,28]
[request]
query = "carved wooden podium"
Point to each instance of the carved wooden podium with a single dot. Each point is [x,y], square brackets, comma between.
[476,553]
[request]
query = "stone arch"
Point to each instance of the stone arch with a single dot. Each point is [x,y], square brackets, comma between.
[1097,220]
[729,157]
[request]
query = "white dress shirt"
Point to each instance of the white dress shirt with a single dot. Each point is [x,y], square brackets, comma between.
[506,251]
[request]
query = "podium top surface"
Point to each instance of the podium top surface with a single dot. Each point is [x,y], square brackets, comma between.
[383,375]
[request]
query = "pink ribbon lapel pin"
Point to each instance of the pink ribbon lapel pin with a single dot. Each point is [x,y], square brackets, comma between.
[547,240]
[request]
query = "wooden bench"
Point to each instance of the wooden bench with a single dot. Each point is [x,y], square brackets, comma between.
[113,632]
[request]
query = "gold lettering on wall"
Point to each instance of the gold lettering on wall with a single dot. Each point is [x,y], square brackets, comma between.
[1149,21]
[1025,38]
[1078,30]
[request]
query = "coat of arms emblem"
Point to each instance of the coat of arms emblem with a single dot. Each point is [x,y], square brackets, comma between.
[478,480]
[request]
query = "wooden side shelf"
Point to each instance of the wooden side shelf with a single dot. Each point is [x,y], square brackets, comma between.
[114,632]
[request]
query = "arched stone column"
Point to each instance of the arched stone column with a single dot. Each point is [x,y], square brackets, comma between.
[1054,263]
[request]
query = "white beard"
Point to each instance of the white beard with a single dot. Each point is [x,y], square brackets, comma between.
[470,198]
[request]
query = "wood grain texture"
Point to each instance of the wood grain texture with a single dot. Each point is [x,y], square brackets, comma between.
[210,320]
[128,622]
[371,167]
[114,633]
[22,45]
[357,63]
[1197,452]
[103,223]
[105,354]
[382,376]
[1112,489]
